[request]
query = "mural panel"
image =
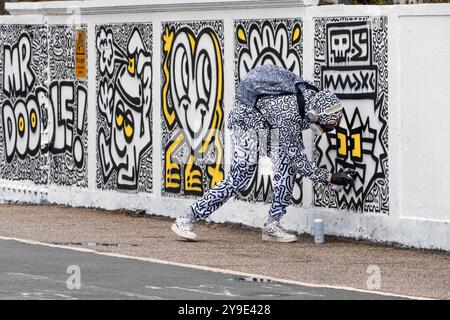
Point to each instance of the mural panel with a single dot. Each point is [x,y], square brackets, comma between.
[124,107]
[43,136]
[23,69]
[351,59]
[68,101]
[192,107]
[258,42]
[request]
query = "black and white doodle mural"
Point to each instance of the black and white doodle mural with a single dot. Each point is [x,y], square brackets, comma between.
[192,106]
[257,42]
[124,107]
[43,136]
[351,59]
[24,70]
[67,98]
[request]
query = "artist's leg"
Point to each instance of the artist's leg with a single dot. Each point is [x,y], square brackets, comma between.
[283,185]
[243,167]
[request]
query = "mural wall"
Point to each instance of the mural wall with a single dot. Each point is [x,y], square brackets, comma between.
[43,135]
[192,107]
[350,58]
[258,42]
[124,107]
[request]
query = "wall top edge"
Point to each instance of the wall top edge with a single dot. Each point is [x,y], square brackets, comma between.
[428,9]
[23,19]
[141,6]
[121,6]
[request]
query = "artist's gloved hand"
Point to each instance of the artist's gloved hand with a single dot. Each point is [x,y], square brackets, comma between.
[343,178]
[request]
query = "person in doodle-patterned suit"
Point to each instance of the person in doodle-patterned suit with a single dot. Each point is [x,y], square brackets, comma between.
[280,114]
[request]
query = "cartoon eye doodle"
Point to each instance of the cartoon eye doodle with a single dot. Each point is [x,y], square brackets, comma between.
[181,63]
[129,127]
[33,120]
[119,115]
[119,120]
[21,125]
[296,34]
[203,78]
[131,65]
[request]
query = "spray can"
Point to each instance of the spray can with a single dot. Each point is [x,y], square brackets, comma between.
[318,231]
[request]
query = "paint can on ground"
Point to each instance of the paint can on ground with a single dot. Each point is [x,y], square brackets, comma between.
[318,231]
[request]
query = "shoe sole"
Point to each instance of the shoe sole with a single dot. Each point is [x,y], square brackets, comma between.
[183,235]
[272,239]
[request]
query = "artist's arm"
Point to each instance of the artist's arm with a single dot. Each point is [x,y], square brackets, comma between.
[292,143]
[310,170]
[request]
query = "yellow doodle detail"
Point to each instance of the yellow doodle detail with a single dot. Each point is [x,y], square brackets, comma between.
[296,34]
[342,144]
[173,177]
[242,37]
[215,172]
[33,120]
[119,120]
[356,152]
[21,124]
[192,177]
[168,41]
[191,41]
[131,66]
[356,148]
[129,130]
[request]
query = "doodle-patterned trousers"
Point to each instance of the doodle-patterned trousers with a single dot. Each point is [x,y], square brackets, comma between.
[243,167]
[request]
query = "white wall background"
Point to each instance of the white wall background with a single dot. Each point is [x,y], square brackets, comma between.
[419,71]
[425,78]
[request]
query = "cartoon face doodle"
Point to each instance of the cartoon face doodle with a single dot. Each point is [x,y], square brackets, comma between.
[192,107]
[268,42]
[259,42]
[125,102]
[340,45]
[126,126]
[58,50]
[352,67]
[348,45]
[194,83]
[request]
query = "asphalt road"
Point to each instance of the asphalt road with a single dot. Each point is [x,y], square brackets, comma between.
[30,271]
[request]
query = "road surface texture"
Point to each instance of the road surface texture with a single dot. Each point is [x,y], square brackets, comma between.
[38,272]
[339,262]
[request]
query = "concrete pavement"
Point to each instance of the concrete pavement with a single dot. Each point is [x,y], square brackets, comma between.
[339,262]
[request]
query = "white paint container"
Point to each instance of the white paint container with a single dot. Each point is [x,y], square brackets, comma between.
[318,231]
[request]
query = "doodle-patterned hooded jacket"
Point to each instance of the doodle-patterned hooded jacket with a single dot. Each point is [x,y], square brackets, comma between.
[266,80]
[280,113]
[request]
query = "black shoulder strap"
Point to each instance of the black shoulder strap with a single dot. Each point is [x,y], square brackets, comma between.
[301,103]
[301,97]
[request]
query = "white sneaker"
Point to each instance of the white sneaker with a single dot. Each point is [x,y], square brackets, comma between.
[185,228]
[273,232]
